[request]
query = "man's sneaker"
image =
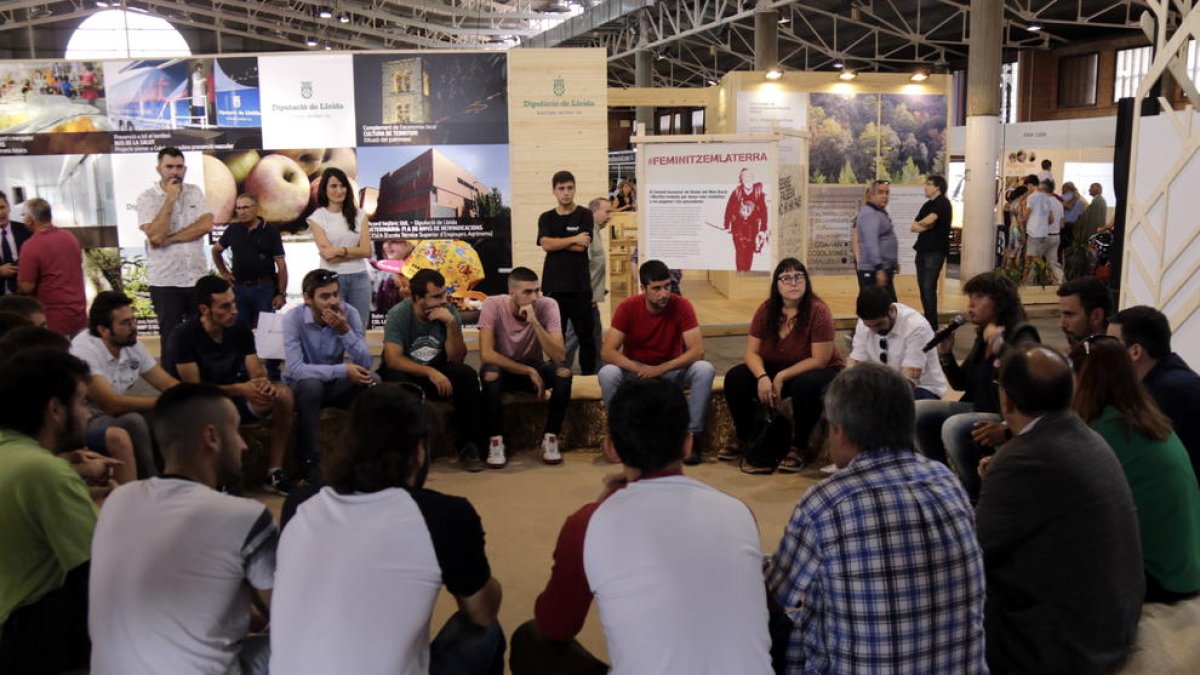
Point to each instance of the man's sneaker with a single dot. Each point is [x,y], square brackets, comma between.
[496,458]
[278,483]
[550,453]
[829,469]
[469,458]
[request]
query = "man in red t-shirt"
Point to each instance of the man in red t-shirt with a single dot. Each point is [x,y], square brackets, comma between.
[656,334]
[51,270]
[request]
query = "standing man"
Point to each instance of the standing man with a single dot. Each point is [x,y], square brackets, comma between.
[13,235]
[218,349]
[893,334]
[51,270]
[117,360]
[260,275]
[175,218]
[565,233]
[1073,206]
[745,218]
[933,243]
[199,96]
[656,334]
[878,260]
[1095,216]
[317,339]
[598,266]
[215,552]
[46,515]
[423,344]
[521,347]
[1045,218]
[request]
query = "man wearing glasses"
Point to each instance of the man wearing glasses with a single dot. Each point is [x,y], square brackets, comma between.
[892,333]
[878,260]
[259,276]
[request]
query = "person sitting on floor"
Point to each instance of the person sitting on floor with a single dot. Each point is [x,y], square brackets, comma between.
[1110,399]
[674,565]
[1059,532]
[423,345]
[789,354]
[1084,305]
[394,544]
[176,564]
[25,305]
[894,334]
[656,334]
[217,348]
[521,347]
[878,569]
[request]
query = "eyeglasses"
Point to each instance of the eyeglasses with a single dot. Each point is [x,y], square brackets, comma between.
[1092,339]
[883,350]
[325,276]
[792,278]
[882,182]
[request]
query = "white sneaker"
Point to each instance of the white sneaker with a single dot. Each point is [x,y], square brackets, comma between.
[496,458]
[829,469]
[550,453]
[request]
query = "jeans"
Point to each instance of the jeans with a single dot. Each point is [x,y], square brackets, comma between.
[255,655]
[253,299]
[535,654]
[572,341]
[49,635]
[310,396]
[1046,248]
[493,393]
[804,390]
[462,648]
[139,434]
[576,308]
[866,278]
[944,433]
[465,397]
[697,379]
[929,266]
[355,290]
[172,304]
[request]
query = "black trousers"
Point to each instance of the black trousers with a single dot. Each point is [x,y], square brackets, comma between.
[805,391]
[576,308]
[535,654]
[465,397]
[493,393]
[50,635]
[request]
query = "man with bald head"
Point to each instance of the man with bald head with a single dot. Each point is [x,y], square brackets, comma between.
[1059,532]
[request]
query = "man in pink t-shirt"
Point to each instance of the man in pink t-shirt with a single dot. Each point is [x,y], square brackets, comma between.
[521,349]
[656,334]
[51,270]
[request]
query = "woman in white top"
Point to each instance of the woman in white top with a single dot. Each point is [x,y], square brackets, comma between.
[343,239]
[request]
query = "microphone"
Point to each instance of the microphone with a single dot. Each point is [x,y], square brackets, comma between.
[945,332]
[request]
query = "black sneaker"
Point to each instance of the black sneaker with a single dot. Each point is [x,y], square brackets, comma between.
[470,459]
[278,483]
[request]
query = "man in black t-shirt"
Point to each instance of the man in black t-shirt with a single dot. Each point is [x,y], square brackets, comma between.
[218,349]
[933,243]
[259,276]
[564,233]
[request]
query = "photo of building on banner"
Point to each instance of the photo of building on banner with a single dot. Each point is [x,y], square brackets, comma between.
[711,206]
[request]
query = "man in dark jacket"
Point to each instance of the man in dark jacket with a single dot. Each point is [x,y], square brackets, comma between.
[12,237]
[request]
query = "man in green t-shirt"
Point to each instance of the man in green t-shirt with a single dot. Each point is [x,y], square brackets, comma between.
[46,515]
[423,345]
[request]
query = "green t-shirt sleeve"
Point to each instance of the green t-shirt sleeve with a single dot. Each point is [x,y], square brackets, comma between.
[57,499]
[395,329]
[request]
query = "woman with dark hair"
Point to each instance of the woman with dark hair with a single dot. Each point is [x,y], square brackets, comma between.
[1111,399]
[624,201]
[789,354]
[343,239]
[966,430]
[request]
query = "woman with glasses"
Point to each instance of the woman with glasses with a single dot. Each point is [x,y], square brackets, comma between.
[343,239]
[1109,397]
[789,354]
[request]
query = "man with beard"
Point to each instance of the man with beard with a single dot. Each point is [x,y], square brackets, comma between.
[117,360]
[215,552]
[745,218]
[46,515]
[1084,305]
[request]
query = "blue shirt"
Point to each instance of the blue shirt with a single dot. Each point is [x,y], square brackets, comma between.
[877,244]
[880,571]
[318,352]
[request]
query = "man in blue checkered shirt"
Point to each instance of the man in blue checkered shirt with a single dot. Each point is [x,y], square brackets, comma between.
[879,569]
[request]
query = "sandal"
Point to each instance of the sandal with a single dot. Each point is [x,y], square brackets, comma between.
[749,468]
[729,453]
[793,463]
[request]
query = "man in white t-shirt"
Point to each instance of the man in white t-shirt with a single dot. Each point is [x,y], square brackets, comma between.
[176,564]
[894,334]
[1044,225]
[675,565]
[521,349]
[176,219]
[117,360]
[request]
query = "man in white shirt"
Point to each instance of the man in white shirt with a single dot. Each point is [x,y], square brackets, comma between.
[117,360]
[894,334]
[176,564]
[1043,226]
[175,218]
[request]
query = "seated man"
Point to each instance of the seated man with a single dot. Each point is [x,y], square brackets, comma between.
[1084,306]
[392,544]
[217,348]
[1173,385]
[25,305]
[111,349]
[656,334]
[317,339]
[46,515]
[675,565]
[878,569]
[521,347]
[895,334]
[423,345]
[1059,532]
[175,564]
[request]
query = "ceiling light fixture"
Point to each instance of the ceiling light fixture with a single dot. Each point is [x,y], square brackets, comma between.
[774,73]
[838,64]
[919,76]
[343,18]
[846,75]
[784,20]
[1034,27]
[101,4]
[712,83]
[311,42]
[325,13]
[328,47]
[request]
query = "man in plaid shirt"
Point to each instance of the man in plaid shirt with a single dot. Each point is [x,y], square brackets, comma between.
[879,569]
